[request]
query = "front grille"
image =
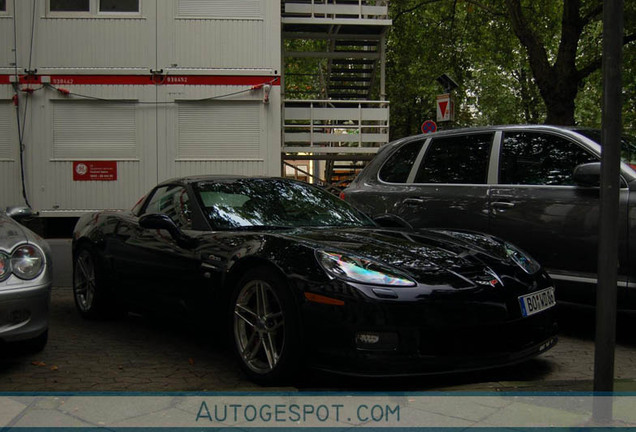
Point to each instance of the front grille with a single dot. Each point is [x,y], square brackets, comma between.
[488,339]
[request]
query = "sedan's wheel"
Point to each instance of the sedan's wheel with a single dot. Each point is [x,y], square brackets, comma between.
[264,327]
[87,288]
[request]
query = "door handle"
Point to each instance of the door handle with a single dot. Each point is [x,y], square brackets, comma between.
[502,205]
[413,201]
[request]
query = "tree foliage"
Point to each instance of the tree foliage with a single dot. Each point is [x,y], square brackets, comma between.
[516,61]
[304,76]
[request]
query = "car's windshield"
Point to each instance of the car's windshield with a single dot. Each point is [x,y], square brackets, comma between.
[273,203]
[628,145]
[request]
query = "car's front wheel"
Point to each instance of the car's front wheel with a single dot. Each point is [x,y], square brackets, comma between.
[264,327]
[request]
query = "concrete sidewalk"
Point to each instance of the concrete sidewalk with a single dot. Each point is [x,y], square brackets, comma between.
[340,411]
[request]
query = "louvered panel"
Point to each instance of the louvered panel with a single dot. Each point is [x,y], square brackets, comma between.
[8,131]
[10,183]
[6,53]
[245,168]
[76,130]
[10,186]
[221,130]
[223,44]
[94,130]
[221,8]
[96,42]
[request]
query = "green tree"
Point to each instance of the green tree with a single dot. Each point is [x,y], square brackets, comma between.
[560,73]
[517,61]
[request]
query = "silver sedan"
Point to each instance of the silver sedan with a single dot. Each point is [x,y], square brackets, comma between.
[25,283]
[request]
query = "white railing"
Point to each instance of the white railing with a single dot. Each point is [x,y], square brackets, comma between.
[330,126]
[360,9]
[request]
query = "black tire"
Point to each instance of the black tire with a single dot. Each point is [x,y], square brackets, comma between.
[92,298]
[263,327]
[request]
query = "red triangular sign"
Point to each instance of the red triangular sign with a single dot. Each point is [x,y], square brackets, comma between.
[442,107]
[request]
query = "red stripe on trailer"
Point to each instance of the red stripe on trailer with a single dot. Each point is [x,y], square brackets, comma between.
[24,79]
[157,79]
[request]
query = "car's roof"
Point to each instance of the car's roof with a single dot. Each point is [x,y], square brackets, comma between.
[492,128]
[506,127]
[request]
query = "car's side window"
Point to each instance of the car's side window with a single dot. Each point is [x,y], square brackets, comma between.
[461,159]
[398,167]
[173,201]
[531,158]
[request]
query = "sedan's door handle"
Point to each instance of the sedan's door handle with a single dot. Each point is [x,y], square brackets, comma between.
[502,205]
[413,201]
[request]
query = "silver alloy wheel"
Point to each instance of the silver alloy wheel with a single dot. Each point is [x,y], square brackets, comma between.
[84,285]
[259,326]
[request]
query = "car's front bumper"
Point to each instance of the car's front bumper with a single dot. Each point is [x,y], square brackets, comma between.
[24,311]
[413,342]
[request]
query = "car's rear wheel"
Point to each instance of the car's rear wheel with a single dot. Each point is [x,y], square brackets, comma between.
[88,287]
[264,327]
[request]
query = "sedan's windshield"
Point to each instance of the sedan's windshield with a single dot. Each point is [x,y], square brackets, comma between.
[628,145]
[273,203]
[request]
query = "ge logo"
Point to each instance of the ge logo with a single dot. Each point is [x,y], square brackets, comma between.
[81,169]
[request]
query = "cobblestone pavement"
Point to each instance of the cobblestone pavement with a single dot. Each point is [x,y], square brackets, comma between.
[136,353]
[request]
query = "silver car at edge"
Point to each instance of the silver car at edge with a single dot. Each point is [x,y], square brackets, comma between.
[25,283]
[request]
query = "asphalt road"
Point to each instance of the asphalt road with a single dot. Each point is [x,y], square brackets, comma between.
[138,353]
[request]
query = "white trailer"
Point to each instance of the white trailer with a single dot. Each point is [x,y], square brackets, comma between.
[102,99]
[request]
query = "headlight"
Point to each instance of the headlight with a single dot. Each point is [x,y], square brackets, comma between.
[528,264]
[5,266]
[358,269]
[27,262]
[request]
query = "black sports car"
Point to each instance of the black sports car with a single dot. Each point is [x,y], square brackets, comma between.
[300,277]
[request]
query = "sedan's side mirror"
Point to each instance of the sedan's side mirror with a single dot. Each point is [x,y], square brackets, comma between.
[588,175]
[163,221]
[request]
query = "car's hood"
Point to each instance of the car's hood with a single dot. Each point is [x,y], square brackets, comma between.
[420,253]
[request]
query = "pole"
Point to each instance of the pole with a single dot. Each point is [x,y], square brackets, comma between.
[609,198]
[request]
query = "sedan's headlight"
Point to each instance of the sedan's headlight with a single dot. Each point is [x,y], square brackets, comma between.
[5,266]
[528,264]
[362,270]
[27,262]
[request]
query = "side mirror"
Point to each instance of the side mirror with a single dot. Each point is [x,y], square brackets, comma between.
[19,212]
[587,175]
[392,221]
[163,221]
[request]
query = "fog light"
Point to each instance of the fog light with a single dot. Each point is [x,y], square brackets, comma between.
[382,341]
[18,316]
